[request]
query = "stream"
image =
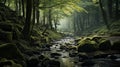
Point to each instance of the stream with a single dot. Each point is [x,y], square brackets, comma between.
[63,56]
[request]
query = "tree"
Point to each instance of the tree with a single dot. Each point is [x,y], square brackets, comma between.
[27,25]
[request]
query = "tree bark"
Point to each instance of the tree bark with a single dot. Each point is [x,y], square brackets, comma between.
[104,15]
[27,25]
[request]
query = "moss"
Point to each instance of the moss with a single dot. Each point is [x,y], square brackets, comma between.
[53,34]
[105,45]
[10,51]
[87,45]
[11,63]
[5,36]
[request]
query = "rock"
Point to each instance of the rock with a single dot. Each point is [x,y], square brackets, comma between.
[82,57]
[6,26]
[53,55]
[100,56]
[33,61]
[88,64]
[41,57]
[51,63]
[73,54]
[5,36]
[9,63]
[10,51]
[97,39]
[105,45]
[87,46]
[116,46]
[112,57]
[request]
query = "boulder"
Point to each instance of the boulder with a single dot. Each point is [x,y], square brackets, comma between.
[116,46]
[87,45]
[5,36]
[6,26]
[105,45]
[10,51]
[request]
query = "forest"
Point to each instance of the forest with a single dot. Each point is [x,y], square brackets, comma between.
[59,33]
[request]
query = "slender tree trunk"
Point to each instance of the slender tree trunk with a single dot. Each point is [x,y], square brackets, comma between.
[23,8]
[27,25]
[117,10]
[50,19]
[37,11]
[104,15]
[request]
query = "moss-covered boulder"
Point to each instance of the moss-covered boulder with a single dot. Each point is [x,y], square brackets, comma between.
[6,26]
[10,51]
[105,45]
[5,36]
[87,45]
[8,63]
[116,46]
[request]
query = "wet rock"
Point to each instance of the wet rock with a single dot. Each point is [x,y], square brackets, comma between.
[88,64]
[101,56]
[82,57]
[53,55]
[112,57]
[51,63]
[73,54]
[33,61]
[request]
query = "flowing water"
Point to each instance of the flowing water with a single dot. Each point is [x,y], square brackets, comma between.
[67,61]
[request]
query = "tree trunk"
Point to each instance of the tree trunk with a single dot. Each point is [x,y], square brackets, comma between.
[117,10]
[23,8]
[104,15]
[27,25]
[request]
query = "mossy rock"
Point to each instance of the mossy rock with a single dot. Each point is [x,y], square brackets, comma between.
[10,51]
[87,45]
[4,63]
[115,34]
[6,26]
[105,45]
[116,46]
[97,39]
[5,36]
